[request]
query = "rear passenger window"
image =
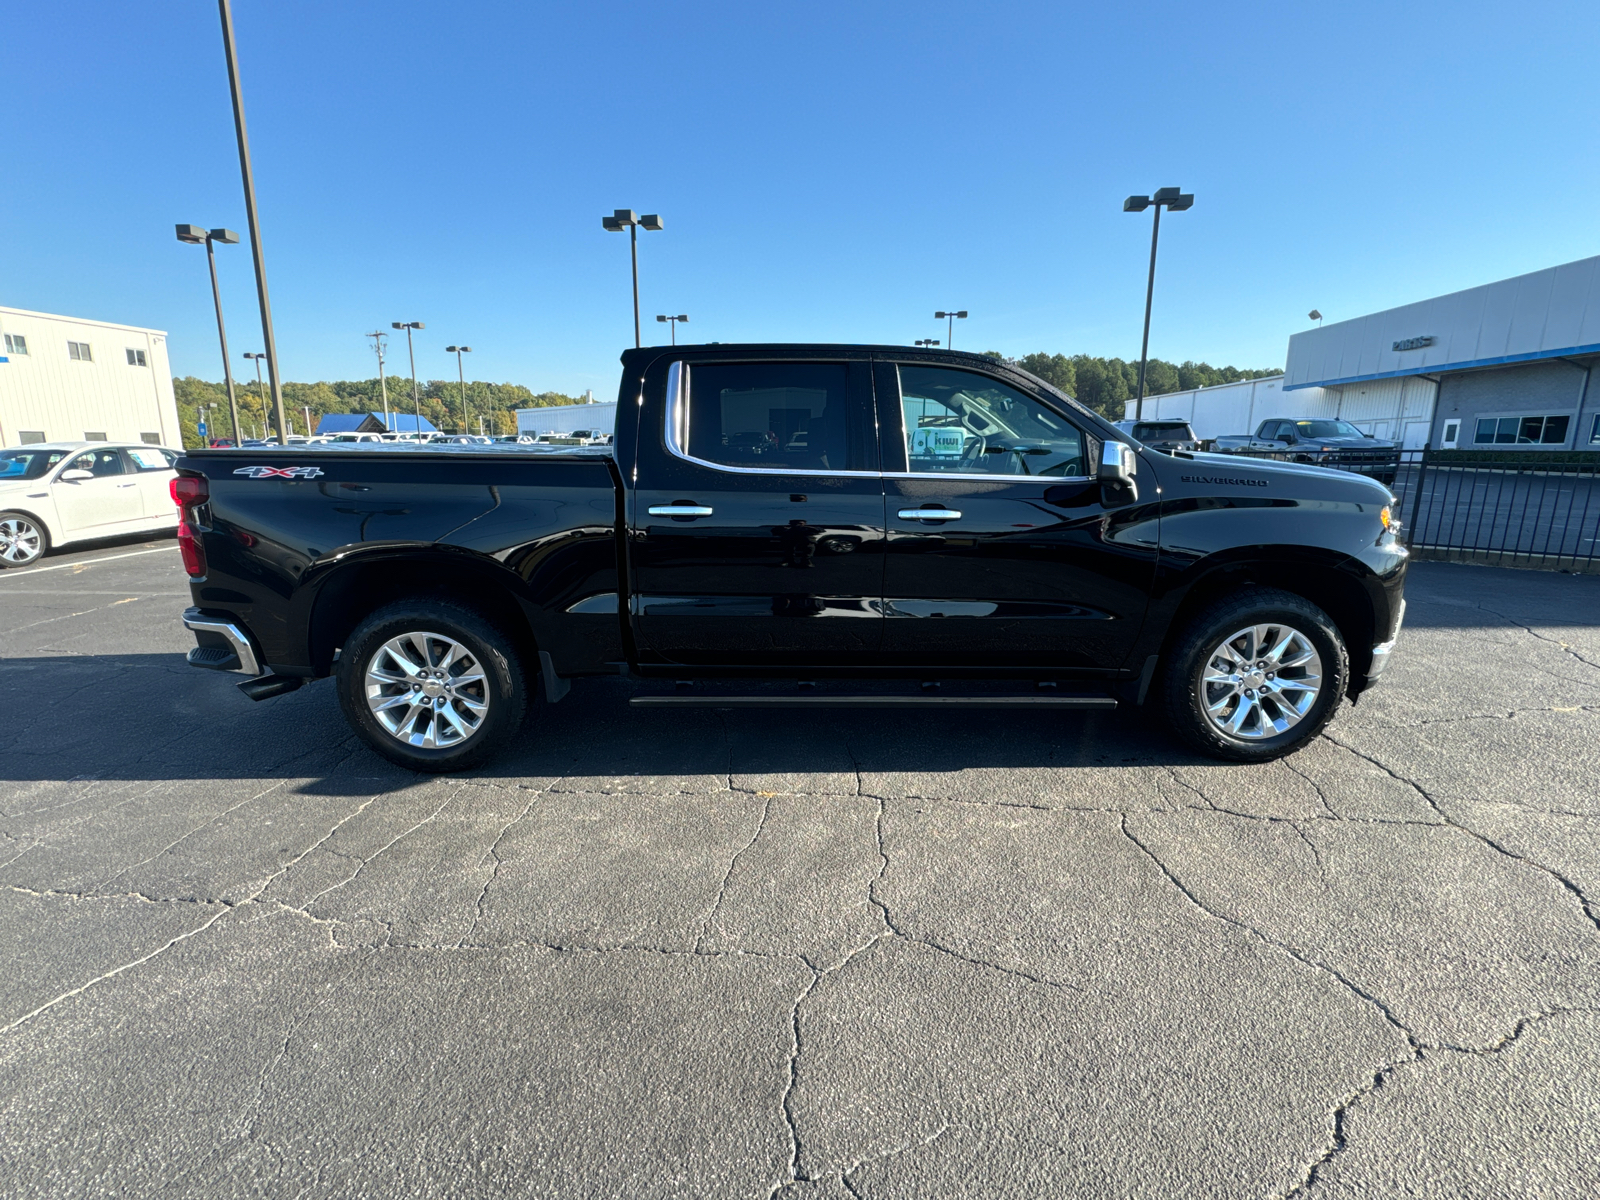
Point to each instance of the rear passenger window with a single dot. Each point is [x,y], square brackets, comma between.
[778,416]
[961,423]
[151,459]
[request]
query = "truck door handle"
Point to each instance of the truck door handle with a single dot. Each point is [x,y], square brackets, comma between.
[680,510]
[123,485]
[929,514]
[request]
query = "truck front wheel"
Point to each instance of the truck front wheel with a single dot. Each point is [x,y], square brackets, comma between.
[1256,676]
[432,685]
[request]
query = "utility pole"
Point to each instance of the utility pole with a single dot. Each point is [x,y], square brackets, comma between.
[383,384]
[250,214]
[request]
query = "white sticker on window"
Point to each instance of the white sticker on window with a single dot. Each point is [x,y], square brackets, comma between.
[937,442]
[148,460]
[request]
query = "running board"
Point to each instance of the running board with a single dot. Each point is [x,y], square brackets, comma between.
[1078,702]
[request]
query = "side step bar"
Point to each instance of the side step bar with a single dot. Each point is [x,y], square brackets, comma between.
[1077,702]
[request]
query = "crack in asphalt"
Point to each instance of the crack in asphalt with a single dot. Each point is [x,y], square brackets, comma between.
[1568,884]
[223,908]
[494,853]
[1543,637]
[1339,1140]
[733,862]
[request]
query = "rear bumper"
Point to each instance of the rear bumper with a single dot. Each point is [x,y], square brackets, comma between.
[223,645]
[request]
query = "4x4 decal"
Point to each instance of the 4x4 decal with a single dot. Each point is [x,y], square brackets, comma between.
[279,472]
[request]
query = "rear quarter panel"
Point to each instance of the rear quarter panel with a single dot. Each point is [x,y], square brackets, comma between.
[540,526]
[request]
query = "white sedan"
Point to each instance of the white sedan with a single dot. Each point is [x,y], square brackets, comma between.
[53,493]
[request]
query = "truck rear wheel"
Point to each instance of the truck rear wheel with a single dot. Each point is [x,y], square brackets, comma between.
[431,685]
[1256,676]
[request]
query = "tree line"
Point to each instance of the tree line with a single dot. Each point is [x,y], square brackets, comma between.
[1106,384]
[1103,384]
[495,403]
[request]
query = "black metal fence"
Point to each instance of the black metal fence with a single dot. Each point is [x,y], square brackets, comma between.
[1511,510]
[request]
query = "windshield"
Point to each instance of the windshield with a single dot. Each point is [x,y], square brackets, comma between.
[28,464]
[1326,429]
[1163,429]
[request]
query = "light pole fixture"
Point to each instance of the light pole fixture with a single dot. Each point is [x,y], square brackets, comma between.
[458,351]
[626,218]
[926,342]
[1315,316]
[416,396]
[1177,201]
[674,322]
[193,235]
[949,318]
[248,178]
[261,390]
[377,337]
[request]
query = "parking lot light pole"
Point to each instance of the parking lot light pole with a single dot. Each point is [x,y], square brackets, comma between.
[674,321]
[626,218]
[1171,198]
[416,396]
[926,342]
[949,318]
[377,337]
[251,220]
[261,390]
[458,351]
[193,235]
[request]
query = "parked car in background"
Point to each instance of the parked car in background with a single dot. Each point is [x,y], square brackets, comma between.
[53,493]
[1324,442]
[1165,436]
[367,438]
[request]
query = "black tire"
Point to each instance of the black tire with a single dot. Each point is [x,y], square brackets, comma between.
[1182,686]
[504,685]
[13,524]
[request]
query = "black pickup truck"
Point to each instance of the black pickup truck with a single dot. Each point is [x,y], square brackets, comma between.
[796,525]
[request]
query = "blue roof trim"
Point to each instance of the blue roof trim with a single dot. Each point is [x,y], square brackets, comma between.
[1444,367]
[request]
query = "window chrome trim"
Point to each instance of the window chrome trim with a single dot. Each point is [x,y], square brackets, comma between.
[1052,480]
[676,430]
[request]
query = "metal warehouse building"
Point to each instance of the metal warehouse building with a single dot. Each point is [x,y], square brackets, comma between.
[73,379]
[1505,366]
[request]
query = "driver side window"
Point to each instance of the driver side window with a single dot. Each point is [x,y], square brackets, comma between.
[98,462]
[963,423]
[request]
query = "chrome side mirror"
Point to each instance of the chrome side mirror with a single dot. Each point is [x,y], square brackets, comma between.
[1118,465]
[1117,462]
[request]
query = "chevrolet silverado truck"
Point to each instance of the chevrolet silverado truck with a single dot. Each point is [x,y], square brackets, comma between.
[796,525]
[1320,441]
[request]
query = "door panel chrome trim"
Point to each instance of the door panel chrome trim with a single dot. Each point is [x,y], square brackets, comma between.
[680,510]
[930,514]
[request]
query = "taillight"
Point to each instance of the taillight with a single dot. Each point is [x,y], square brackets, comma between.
[189,492]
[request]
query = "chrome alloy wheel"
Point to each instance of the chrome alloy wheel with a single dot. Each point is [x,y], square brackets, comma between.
[427,690]
[20,541]
[1260,681]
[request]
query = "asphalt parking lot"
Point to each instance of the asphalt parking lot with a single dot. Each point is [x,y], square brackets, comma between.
[748,954]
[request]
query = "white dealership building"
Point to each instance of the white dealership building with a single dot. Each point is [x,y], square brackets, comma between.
[75,379]
[1504,366]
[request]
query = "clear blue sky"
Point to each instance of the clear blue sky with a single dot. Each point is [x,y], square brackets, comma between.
[827,172]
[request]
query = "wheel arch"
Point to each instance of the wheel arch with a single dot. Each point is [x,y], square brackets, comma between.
[361,585]
[1339,585]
